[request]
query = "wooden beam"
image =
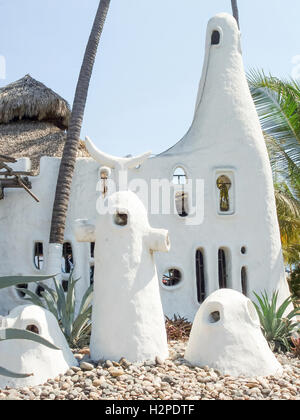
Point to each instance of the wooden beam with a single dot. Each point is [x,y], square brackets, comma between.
[4,158]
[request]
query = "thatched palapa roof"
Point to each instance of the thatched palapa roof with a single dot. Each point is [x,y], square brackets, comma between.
[29,99]
[33,120]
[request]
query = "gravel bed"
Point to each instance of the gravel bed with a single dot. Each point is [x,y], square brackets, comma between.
[174,379]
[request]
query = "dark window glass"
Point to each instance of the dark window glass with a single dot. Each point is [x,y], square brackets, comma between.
[200,276]
[172,277]
[222,269]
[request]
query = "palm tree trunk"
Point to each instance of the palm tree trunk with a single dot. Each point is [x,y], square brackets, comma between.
[68,160]
[235,11]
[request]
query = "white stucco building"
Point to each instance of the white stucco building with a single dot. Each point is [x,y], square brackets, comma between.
[236,244]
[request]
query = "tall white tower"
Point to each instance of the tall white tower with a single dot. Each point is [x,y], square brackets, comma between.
[238,244]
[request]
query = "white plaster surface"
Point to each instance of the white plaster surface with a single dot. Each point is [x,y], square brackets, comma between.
[234,345]
[128,319]
[225,137]
[24,356]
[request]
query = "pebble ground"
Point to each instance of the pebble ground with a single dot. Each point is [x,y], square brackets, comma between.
[174,379]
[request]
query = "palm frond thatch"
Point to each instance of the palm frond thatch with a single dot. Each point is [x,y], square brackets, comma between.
[34,139]
[29,99]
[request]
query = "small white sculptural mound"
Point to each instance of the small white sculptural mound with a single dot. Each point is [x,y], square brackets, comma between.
[128,319]
[24,356]
[226,336]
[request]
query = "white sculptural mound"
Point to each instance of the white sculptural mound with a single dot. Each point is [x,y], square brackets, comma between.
[24,356]
[226,336]
[128,319]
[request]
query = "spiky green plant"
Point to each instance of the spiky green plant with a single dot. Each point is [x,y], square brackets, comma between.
[75,324]
[277,326]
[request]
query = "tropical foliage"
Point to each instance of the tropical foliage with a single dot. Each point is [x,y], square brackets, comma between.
[294,282]
[278,105]
[75,325]
[277,327]
[16,334]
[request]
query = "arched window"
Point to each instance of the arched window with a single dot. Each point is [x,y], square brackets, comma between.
[104,175]
[92,249]
[171,277]
[215,38]
[67,258]
[92,274]
[182,203]
[200,276]
[224,185]
[244,281]
[38,258]
[222,268]
[92,266]
[179,176]
[39,290]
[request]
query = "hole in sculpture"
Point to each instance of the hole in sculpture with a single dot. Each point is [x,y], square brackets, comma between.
[67,258]
[38,255]
[20,292]
[182,203]
[215,38]
[121,219]
[222,269]
[33,328]
[200,276]
[224,185]
[214,317]
[179,176]
[171,277]
[243,250]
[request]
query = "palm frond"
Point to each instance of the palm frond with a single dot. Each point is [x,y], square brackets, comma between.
[278,106]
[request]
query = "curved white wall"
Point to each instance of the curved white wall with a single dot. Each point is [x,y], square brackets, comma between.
[225,137]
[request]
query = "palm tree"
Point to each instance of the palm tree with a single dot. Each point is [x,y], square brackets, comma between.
[68,161]
[235,11]
[278,106]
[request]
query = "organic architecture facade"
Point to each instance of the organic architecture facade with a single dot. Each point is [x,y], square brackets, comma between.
[224,231]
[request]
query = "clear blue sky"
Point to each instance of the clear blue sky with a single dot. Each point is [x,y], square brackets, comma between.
[145,80]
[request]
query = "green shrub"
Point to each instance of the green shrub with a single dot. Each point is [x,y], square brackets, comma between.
[276,326]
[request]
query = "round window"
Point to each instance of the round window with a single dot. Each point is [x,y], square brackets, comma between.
[171,277]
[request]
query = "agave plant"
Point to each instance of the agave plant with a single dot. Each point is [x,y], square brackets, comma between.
[276,326]
[16,334]
[75,324]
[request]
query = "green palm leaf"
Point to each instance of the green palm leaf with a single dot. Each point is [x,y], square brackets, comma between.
[15,280]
